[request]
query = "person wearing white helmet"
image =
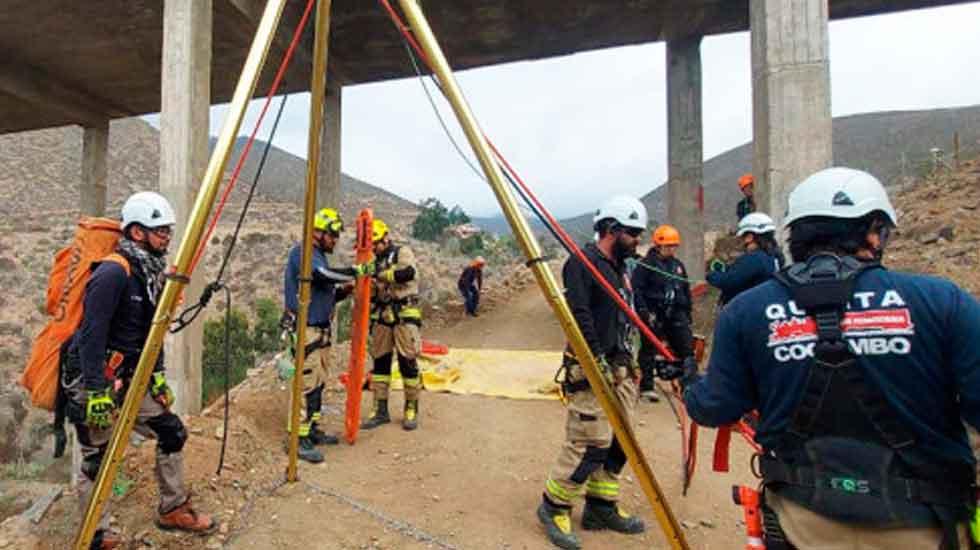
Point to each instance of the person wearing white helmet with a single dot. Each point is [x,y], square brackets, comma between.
[118,307]
[863,378]
[762,258]
[591,459]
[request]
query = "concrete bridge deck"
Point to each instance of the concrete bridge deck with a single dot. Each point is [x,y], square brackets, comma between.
[81,62]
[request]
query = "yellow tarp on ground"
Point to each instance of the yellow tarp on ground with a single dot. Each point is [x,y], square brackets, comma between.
[500,373]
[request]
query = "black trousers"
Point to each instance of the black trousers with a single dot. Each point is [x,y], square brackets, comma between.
[675,331]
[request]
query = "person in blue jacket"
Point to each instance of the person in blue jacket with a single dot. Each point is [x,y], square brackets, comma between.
[101,357]
[330,285]
[862,377]
[762,258]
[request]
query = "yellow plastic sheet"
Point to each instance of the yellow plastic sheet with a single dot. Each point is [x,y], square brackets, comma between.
[513,374]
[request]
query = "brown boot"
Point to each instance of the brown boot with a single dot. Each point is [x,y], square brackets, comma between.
[106,539]
[185,518]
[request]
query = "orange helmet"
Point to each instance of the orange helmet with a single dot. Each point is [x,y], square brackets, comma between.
[745,181]
[666,234]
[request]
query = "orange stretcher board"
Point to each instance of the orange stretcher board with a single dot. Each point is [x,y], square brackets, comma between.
[360,324]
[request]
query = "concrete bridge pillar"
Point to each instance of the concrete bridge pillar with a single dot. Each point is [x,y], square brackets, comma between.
[95,169]
[791,97]
[328,177]
[685,196]
[184,114]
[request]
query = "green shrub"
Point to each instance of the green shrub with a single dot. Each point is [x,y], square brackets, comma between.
[434,218]
[265,336]
[473,246]
[343,319]
[241,356]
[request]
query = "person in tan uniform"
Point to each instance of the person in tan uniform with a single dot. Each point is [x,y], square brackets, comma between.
[396,321]
[591,460]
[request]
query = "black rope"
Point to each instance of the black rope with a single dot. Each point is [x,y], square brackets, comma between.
[224,432]
[190,313]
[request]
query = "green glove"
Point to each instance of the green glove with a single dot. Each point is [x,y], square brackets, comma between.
[717,265]
[975,525]
[99,409]
[160,390]
[365,269]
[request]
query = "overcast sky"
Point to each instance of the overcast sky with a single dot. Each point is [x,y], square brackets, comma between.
[581,127]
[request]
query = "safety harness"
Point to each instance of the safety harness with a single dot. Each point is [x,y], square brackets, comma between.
[845,454]
[389,311]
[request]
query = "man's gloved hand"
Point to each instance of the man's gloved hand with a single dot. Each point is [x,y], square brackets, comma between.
[365,269]
[160,391]
[288,321]
[717,265]
[99,409]
[690,372]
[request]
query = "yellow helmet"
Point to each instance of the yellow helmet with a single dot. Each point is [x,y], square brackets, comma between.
[378,230]
[327,219]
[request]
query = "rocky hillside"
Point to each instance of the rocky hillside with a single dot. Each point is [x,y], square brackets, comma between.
[39,177]
[875,142]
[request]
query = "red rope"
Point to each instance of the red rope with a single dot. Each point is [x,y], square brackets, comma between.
[688,429]
[297,34]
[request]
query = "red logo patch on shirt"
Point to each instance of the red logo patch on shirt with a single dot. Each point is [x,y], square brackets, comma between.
[872,322]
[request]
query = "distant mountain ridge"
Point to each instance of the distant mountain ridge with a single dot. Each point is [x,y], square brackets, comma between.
[874,142]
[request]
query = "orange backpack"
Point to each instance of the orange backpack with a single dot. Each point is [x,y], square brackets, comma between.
[95,241]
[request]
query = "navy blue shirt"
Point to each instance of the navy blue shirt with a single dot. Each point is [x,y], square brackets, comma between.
[117,315]
[323,291]
[748,270]
[916,337]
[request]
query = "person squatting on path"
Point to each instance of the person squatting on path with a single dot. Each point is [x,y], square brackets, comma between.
[324,296]
[118,307]
[591,459]
[863,378]
[762,258]
[396,321]
[470,284]
[746,206]
[663,300]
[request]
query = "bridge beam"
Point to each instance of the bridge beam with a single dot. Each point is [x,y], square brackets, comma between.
[95,169]
[685,197]
[328,178]
[184,118]
[791,97]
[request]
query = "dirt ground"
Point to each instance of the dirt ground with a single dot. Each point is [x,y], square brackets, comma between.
[470,477]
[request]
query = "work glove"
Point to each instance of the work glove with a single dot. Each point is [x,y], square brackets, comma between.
[365,269]
[160,391]
[717,265]
[99,410]
[288,321]
[685,372]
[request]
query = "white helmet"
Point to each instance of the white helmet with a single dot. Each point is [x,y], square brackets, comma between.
[148,209]
[839,193]
[757,223]
[626,210]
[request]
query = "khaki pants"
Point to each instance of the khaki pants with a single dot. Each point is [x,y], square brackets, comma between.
[807,530]
[152,421]
[317,369]
[405,339]
[591,459]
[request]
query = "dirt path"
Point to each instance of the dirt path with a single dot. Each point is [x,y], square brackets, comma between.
[469,478]
[472,475]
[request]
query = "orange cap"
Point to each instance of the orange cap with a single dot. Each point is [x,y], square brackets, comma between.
[666,234]
[745,181]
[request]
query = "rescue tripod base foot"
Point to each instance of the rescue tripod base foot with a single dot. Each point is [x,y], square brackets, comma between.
[600,514]
[558,525]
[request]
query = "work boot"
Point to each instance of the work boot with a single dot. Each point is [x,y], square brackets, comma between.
[307,450]
[378,417]
[320,437]
[185,518]
[106,539]
[410,420]
[558,524]
[601,514]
